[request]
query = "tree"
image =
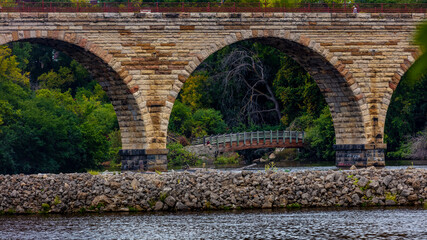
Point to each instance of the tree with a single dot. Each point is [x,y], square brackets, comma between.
[208,122]
[9,67]
[53,130]
[193,94]
[56,80]
[181,119]
[297,92]
[246,69]
[406,116]
[321,138]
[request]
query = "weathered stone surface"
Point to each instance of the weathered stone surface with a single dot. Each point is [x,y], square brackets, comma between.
[362,182]
[210,190]
[102,199]
[170,201]
[181,206]
[142,61]
[158,206]
[387,180]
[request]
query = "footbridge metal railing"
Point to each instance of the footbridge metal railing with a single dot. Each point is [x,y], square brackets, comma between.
[252,140]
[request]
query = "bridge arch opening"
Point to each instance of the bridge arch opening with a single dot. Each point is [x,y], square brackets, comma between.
[339,94]
[112,82]
[405,128]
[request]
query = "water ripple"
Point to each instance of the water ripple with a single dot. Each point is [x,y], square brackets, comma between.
[383,223]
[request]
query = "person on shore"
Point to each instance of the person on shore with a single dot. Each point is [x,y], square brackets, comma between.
[354,9]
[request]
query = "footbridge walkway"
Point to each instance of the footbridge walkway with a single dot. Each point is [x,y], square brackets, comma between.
[253,140]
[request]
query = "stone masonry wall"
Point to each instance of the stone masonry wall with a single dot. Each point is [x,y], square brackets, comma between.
[142,60]
[210,190]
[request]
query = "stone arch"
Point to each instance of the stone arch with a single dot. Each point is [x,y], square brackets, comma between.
[336,83]
[105,69]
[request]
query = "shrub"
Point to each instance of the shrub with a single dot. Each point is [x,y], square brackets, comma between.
[230,159]
[178,156]
[45,208]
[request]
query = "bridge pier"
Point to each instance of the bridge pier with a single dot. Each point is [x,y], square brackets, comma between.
[144,159]
[360,155]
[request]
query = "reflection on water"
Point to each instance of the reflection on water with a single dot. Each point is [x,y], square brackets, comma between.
[384,223]
[314,168]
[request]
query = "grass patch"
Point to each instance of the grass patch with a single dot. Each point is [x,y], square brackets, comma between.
[97,207]
[132,209]
[390,196]
[56,201]
[152,202]
[93,172]
[226,159]
[293,205]
[10,211]
[163,196]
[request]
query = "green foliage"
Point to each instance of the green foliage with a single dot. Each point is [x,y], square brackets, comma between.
[178,156]
[293,205]
[181,120]
[297,91]
[152,202]
[115,142]
[270,167]
[53,130]
[163,196]
[227,159]
[390,196]
[193,92]
[133,209]
[56,80]
[97,207]
[45,208]
[22,51]
[9,67]
[208,122]
[56,201]
[321,137]
[419,67]
[406,116]
[93,172]
[200,123]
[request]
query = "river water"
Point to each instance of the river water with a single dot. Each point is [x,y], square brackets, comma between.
[357,223]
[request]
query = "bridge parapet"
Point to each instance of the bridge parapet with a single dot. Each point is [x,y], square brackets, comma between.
[232,7]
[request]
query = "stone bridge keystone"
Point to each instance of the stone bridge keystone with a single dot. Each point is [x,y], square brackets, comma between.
[143,59]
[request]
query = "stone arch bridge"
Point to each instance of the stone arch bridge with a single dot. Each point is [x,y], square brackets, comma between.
[142,61]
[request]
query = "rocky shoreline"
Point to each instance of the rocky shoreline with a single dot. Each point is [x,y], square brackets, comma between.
[176,191]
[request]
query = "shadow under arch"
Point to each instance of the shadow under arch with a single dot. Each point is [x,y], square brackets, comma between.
[125,105]
[413,54]
[406,85]
[341,92]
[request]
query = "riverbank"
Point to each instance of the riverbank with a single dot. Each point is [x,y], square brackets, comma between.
[176,191]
